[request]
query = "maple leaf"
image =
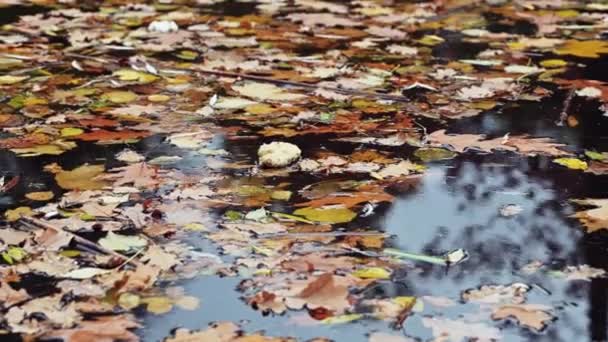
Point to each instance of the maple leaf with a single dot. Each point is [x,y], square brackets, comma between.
[140,175]
[521,144]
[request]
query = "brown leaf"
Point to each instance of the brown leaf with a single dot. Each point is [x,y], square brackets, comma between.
[593,219]
[9,296]
[102,329]
[528,315]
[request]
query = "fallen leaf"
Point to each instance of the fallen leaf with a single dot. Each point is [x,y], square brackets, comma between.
[530,316]
[330,215]
[124,243]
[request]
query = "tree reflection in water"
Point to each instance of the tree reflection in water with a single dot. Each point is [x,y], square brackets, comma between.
[457,206]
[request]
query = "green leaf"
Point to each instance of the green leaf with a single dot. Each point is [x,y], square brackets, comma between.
[596,155]
[125,243]
[14,254]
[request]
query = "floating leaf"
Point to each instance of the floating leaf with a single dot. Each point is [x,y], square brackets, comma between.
[40,196]
[158,305]
[553,63]
[187,55]
[327,214]
[281,195]
[372,273]
[131,75]
[596,155]
[342,319]
[81,178]
[14,254]
[583,48]
[71,132]
[125,243]
[159,98]
[571,163]
[119,96]
[9,79]
[15,214]
[129,301]
[85,273]
[429,154]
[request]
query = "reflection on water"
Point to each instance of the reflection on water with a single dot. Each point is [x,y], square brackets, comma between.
[457,206]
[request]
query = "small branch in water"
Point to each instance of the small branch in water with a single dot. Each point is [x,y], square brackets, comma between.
[33,222]
[563,116]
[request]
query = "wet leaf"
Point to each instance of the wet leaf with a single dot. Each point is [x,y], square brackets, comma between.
[13,215]
[85,273]
[122,242]
[432,154]
[157,305]
[530,316]
[41,196]
[571,163]
[131,75]
[372,273]
[129,301]
[583,48]
[330,215]
[9,79]
[14,255]
[81,178]
[342,319]
[119,96]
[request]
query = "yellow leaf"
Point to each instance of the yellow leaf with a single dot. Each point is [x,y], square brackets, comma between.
[187,55]
[571,163]
[40,195]
[129,301]
[158,305]
[57,148]
[195,226]
[8,79]
[282,195]
[431,40]
[327,215]
[71,131]
[188,302]
[119,96]
[585,48]
[14,214]
[405,301]
[342,319]
[81,178]
[372,273]
[131,75]
[159,98]
[553,63]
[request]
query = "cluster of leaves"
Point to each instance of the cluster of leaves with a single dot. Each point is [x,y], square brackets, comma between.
[348,83]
